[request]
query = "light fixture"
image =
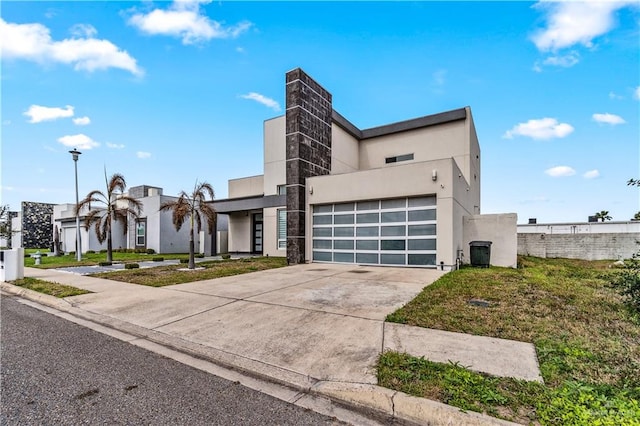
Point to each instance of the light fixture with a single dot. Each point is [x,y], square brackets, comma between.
[434,175]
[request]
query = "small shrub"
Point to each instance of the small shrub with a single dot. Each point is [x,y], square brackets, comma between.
[27,255]
[91,251]
[199,255]
[627,281]
[158,259]
[184,260]
[131,266]
[105,263]
[103,251]
[226,256]
[72,253]
[151,251]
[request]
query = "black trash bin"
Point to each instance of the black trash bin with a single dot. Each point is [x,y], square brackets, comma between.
[480,253]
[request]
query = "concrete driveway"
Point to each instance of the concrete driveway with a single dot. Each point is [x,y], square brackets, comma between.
[322,321]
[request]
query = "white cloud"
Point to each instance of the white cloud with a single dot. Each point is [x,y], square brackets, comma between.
[565,61]
[575,22]
[607,118]
[591,174]
[560,171]
[185,20]
[544,128]
[263,100]
[83,31]
[240,49]
[613,95]
[79,141]
[143,154]
[38,113]
[33,42]
[81,121]
[636,93]
[114,145]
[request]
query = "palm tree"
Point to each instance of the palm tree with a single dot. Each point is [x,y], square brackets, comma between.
[636,216]
[117,207]
[603,215]
[195,208]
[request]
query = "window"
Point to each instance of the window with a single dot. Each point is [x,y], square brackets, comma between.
[397,158]
[141,232]
[282,189]
[282,229]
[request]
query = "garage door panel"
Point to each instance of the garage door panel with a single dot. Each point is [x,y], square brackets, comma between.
[398,232]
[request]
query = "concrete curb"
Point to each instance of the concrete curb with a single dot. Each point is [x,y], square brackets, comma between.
[370,400]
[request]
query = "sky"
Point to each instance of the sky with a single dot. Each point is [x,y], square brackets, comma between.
[170,93]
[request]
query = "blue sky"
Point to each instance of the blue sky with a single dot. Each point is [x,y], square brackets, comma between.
[170,92]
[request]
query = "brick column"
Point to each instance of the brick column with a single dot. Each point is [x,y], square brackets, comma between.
[308,144]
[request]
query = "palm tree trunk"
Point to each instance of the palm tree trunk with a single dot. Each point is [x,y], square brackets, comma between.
[192,260]
[109,248]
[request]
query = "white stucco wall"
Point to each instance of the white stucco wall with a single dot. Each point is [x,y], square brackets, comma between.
[270,235]
[274,141]
[501,230]
[239,232]
[345,157]
[246,187]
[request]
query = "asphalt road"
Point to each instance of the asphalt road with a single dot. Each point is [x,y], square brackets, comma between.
[56,372]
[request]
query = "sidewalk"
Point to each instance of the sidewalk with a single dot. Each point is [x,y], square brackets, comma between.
[308,327]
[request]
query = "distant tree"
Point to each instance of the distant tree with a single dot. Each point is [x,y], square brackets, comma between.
[633,182]
[603,215]
[195,208]
[636,216]
[117,207]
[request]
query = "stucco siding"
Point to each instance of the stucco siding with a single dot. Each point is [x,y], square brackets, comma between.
[239,232]
[274,155]
[344,151]
[246,187]
[500,229]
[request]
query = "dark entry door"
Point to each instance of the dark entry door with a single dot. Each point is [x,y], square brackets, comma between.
[257,233]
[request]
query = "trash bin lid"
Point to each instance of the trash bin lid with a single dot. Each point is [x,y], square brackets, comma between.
[480,243]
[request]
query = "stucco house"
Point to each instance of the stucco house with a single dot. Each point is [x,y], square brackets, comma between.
[151,230]
[401,194]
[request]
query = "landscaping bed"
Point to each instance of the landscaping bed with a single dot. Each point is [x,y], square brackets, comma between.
[49,287]
[92,259]
[176,274]
[587,341]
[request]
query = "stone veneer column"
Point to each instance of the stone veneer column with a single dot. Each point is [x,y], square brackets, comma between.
[308,145]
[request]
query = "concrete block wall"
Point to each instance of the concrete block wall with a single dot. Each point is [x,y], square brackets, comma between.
[579,246]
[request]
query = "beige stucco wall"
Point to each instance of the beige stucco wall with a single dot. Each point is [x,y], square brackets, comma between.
[344,151]
[400,180]
[274,155]
[501,230]
[246,187]
[239,232]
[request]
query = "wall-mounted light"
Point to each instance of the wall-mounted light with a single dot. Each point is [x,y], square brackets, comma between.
[434,175]
[311,190]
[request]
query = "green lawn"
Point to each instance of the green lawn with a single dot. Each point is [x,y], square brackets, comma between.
[48,287]
[171,274]
[587,341]
[90,259]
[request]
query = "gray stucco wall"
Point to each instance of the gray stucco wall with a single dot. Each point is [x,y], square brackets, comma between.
[500,229]
[579,246]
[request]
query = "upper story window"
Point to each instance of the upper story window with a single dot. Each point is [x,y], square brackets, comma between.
[397,158]
[282,189]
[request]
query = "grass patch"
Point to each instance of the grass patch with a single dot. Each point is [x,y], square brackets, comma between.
[48,287]
[170,274]
[91,259]
[587,342]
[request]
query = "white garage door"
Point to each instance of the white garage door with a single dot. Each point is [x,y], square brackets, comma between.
[397,232]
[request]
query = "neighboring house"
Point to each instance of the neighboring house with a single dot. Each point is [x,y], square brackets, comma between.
[580,240]
[152,230]
[402,194]
[31,227]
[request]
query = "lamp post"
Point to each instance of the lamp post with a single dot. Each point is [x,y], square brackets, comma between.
[75,153]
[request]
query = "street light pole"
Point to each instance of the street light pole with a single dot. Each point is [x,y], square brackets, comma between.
[75,153]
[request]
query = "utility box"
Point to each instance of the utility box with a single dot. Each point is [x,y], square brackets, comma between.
[480,253]
[11,264]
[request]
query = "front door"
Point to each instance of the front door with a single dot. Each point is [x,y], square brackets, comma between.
[257,233]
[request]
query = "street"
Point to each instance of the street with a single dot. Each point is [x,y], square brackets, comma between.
[56,372]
